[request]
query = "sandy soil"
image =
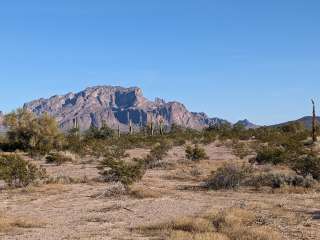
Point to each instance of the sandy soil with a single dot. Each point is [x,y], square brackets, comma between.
[79,211]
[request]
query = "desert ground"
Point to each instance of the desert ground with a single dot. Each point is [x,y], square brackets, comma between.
[77,206]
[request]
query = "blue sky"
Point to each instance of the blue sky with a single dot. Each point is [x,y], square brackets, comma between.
[232,59]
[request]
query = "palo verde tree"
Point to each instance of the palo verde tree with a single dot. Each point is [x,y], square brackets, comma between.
[33,134]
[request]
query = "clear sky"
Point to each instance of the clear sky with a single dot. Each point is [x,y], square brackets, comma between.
[229,58]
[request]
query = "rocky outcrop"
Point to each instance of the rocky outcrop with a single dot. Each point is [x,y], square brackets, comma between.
[116,106]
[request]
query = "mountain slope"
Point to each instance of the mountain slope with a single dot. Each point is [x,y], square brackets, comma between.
[306,121]
[246,124]
[116,106]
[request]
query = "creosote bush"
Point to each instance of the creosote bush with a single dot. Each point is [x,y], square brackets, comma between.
[272,155]
[114,169]
[57,158]
[17,172]
[229,176]
[195,153]
[157,154]
[308,165]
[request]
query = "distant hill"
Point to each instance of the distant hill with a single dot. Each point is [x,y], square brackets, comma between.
[116,106]
[306,121]
[247,124]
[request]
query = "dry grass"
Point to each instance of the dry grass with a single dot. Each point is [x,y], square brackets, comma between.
[45,189]
[8,223]
[231,224]
[142,192]
[181,235]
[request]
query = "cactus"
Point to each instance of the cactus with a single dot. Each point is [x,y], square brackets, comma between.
[130,128]
[151,126]
[314,122]
[161,126]
[130,124]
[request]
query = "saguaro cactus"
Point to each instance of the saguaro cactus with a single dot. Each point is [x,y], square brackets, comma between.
[161,126]
[314,122]
[75,123]
[151,126]
[130,128]
[130,124]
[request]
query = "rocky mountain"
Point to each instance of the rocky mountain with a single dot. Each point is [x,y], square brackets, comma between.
[116,106]
[247,124]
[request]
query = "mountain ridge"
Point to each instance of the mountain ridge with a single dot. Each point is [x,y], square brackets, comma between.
[117,106]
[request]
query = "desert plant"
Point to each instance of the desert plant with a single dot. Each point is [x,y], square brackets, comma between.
[104,132]
[308,165]
[278,180]
[229,176]
[241,150]
[195,153]
[113,168]
[34,134]
[57,158]
[17,172]
[269,154]
[157,153]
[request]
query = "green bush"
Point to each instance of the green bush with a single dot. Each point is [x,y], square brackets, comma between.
[229,176]
[157,153]
[195,153]
[114,169]
[272,155]
[37,135]
[57,158]
[104,132]
[308,165]
[17,172]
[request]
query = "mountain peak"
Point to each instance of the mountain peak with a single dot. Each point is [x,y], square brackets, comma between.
[246,123]
[116,106]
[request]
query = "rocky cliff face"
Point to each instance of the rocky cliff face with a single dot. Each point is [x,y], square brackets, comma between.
[116,106]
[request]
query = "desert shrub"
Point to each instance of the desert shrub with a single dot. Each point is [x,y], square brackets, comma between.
[278,180]
[272,155]
[74,141]
[113,168]
[104,132]
[157,153]
[308,165]
[241,150]
[57,158]
[34,134]
[208,137]
[229,176]
[17,172]
[195,153]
